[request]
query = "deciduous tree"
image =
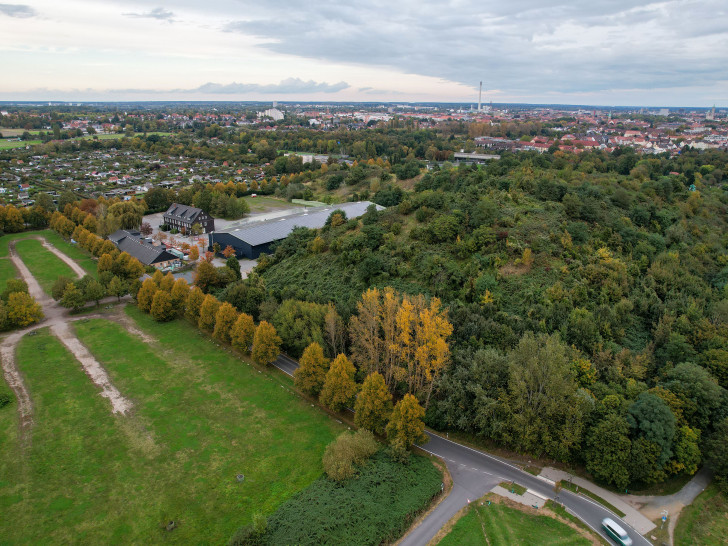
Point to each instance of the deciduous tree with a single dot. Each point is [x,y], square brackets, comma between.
[162,310]
[193,304]
[224,320]
[117,288]
[266,344]
[208,310]
[73,298]
[311,372]
[407,426]
[339,386]
[373,406]
[146,295]
[180,292]
[242,333]
[23,310]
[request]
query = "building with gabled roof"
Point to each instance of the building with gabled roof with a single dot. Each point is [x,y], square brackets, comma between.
[131,242]
[183,217]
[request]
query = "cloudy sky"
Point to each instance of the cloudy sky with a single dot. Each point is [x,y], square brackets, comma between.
[603,52]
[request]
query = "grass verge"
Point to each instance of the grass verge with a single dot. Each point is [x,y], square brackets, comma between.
[705,521]
[513,487]
[7,271]
[577,489]
[45,266]
[501,524]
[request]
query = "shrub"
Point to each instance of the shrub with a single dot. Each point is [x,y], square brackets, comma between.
[4,399]
[346,451]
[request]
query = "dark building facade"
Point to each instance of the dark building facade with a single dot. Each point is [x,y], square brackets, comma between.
[132,243]
[183,217]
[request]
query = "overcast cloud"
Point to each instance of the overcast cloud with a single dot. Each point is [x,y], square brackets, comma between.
[672,52]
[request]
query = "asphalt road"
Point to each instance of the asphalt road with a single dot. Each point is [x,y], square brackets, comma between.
[474,473]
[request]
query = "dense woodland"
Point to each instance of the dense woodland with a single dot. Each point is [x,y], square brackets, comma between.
[587,296]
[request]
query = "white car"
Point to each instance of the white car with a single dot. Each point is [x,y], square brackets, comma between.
[616,532]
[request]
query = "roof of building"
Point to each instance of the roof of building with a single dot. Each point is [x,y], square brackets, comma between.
[182,212]
[268,231]
[130,241]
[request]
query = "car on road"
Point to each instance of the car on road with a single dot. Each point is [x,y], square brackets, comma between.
[616,532]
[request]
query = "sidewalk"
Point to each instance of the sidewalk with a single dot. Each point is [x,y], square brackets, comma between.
[527,499]
[634,517]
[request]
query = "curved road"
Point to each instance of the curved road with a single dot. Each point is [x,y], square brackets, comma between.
[474,473]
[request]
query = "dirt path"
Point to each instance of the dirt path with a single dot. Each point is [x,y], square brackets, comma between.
[132,328]
[57,318]
[91,366]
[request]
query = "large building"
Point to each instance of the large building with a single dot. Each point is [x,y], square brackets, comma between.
[131,242]
[183,217]
[257,238]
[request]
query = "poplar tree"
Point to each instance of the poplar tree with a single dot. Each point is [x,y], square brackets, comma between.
[180,292]
[224,320]
[162,309]
[146,295]
[193,304]
[407,425]
[208,310]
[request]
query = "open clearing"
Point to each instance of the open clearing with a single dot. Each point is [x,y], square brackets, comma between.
[43,264]
[81,257]
[705,521]
[497,524]
[200,416]
[7,271]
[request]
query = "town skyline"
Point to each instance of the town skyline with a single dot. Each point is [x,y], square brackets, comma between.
[608,54]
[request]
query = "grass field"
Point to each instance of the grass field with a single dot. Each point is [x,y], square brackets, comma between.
[45,266]
[10,144]
[83,258]
[705,521]
[200,417]
[499,524]
[7,271]
[264,204]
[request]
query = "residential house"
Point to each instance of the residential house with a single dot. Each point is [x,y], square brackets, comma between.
[183,217]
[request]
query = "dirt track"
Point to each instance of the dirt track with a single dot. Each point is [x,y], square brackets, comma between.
[58,319]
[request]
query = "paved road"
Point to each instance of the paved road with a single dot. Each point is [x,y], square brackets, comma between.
[474,473]
[474,470]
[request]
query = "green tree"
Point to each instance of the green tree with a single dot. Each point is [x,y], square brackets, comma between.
[715,451]
[162,310]
[687,451]
[208,311]
[59,287]
[406,426]
[233,264]
[225,318]
[652,419]
[73,298]
[311,372]
[93,291]
[242,333]
[205,276]
[117,288]
[699,392]
[373,406]
[608,449]
[339,386]
[299,323]
[266,344]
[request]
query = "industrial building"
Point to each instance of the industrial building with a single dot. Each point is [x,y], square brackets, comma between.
[252,240]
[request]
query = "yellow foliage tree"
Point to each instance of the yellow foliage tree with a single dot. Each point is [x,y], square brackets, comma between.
[339,386]
[162,309]
[193,304]
[373,406]
[311,372]
[167,283]
[146,295]
[224,320]
[407,426]
[180,292]
[208,310]
[266,344]
[242,333]
[23,310]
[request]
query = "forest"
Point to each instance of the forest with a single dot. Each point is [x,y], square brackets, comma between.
[587,295]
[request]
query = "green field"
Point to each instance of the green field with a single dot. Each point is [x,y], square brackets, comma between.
[263,204]
[201,416]
[9,144]
[498,524]
[83,258]
[7,271]
[45,266]
[705,521]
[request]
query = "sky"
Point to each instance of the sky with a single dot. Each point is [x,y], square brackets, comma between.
[597,52]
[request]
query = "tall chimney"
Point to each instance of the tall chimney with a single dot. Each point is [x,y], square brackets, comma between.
[480,96]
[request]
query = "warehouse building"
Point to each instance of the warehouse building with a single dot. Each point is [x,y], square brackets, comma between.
[252,240]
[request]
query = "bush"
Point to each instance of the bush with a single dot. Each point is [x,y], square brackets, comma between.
[4,399]
[250,535]
[346,451]
[375,508]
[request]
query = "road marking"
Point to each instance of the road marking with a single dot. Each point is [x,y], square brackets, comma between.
[536,494]
[552,482]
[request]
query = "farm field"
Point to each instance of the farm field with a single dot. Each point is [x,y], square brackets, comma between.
[499,524]
[200,417]
[267,204]
[10,144]
[45,266]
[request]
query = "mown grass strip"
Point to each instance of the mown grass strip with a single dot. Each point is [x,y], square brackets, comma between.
[45,266]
